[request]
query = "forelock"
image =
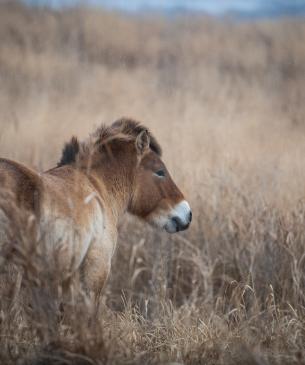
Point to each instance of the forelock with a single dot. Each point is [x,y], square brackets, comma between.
[133,128]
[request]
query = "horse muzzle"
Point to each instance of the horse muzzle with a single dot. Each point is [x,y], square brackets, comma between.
[180,218]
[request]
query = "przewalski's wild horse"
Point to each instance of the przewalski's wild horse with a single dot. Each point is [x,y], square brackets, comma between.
[77,205]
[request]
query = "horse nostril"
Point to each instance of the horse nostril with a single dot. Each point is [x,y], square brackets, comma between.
[190,217]
[179,224]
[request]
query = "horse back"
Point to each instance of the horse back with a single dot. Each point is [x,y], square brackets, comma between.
[22,183]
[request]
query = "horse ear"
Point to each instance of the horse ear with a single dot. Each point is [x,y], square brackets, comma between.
[142,142]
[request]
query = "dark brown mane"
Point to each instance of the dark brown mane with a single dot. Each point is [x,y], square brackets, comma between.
[122,129]
[69,152]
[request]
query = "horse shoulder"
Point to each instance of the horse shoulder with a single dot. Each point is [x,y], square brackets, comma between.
[72,215]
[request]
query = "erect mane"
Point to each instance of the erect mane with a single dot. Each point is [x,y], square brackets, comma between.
[123,129]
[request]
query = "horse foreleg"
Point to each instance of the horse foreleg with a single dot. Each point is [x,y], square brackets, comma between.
[95,270]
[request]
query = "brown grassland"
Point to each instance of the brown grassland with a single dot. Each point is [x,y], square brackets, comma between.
[227,103]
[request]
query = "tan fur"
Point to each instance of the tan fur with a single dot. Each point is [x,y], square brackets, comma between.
[77,205]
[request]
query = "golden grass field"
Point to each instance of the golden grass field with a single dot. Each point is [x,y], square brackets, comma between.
[227,102]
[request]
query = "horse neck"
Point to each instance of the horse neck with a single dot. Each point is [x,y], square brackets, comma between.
[114,179]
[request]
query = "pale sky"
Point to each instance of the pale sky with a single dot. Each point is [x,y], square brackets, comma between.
[215,7]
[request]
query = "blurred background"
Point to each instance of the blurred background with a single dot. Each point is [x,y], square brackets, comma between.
[222,86]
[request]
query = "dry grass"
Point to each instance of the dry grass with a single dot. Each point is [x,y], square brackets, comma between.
[226,101]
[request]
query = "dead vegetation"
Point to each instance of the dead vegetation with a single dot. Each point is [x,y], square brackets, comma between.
[226,101]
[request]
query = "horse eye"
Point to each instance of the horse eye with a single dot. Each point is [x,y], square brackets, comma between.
[160,173]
